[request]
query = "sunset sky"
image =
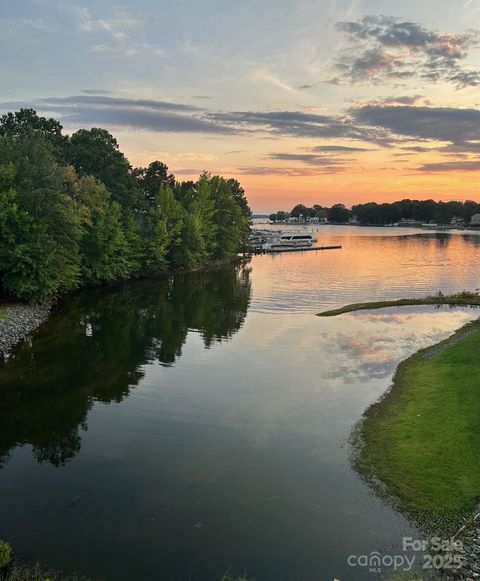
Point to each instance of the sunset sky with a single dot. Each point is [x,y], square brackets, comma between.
[312,101]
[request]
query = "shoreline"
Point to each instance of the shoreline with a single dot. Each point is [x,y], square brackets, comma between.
[464,299]
[376,430]
[18,322]
[408,459]
[417,446]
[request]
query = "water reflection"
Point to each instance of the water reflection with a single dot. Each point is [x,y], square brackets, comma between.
[375,266]
[229,457]
[95,348]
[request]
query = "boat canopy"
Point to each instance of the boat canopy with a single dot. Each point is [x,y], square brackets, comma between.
[297,237]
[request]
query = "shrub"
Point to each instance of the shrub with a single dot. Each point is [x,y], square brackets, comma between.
[6,554]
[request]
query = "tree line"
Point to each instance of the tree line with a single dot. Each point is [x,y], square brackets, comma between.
[387,213]
[74,212]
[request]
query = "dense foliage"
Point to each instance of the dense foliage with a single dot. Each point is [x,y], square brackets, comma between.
[380,214]
[74,212]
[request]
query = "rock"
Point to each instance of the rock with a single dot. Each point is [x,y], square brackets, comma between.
[20,321]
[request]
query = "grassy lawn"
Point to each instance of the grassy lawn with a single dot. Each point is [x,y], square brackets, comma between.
[422,440]
[460,299]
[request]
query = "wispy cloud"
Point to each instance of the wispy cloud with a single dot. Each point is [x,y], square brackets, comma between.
[310,158]
[114,25]
[401,100]
[151,115]
[15,25]
[118,41]
[188,172]
[261,75]
[282,171]
[451,131]
[447,166]
[338,149]
[389,49]
[96,92]
[299,124]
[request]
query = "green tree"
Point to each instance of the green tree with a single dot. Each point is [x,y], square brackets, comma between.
[151,178]
[95,152]
[39,243]
[26,122]
[338,213]
[103,246]
[231,218]
[300,211]
[199,233]
[169,225]
[74,212]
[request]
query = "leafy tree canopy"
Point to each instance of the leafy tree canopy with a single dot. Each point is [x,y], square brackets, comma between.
[74,212]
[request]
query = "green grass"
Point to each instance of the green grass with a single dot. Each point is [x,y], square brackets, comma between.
[421,443]
[461,299]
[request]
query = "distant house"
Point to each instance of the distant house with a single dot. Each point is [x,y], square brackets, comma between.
[353,220]
[313,220]
[475,221]
[293,220]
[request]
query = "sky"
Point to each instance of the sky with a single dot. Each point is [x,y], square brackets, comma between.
[306,101]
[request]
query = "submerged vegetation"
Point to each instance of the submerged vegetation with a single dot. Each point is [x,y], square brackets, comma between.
[464,298]
[74,212]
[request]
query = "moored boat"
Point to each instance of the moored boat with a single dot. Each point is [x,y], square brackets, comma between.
[295,240]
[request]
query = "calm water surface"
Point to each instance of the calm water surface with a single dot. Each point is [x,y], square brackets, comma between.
[178,428]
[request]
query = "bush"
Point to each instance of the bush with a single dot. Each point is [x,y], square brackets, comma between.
[38,573]
[6,554]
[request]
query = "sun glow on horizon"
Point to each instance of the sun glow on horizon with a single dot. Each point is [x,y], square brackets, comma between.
[317,102]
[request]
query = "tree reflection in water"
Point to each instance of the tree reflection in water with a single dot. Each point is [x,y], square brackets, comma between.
[94,347]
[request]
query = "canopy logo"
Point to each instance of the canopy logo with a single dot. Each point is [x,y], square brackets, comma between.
[375,562]
[432,554]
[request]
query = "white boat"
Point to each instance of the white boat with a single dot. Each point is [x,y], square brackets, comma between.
[295,240]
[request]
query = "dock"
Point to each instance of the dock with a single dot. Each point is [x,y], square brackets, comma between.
[300,249]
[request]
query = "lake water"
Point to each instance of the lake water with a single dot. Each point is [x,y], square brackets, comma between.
[175,429]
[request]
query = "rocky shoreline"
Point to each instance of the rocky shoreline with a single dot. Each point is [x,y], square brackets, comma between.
[19,322]
[469,533]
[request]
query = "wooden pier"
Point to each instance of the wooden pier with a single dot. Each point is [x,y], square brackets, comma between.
[300,249]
